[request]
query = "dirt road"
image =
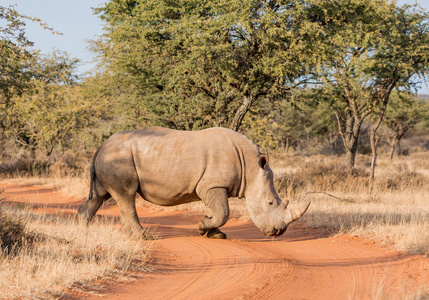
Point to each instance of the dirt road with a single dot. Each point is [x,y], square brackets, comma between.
[304,263]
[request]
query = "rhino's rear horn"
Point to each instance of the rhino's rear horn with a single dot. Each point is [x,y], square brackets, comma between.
[295,214]
[285,203]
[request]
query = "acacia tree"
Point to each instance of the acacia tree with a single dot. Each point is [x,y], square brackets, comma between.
[352,33]
[371,47]
[209,61]
[403,61]
[41,104]
[52,116]
[54,109]
[403,113]
[14,60]
[17,63]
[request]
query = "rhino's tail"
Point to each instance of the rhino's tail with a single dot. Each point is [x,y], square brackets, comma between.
[92,174]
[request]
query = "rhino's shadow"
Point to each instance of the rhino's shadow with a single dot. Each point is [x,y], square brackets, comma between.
[179,224]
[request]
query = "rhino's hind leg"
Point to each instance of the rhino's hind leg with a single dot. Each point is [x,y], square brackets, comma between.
[129,216]
[89,207]
[216,213]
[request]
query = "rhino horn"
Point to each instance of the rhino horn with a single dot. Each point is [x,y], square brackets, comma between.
[295,214]
[284,203]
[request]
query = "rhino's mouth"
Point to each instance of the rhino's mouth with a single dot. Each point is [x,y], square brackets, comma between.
[277,231]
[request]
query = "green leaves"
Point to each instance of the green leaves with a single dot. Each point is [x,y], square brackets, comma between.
[50,108]
[51,116]
[210,53]
[405,111]
[367,48]
[191,64]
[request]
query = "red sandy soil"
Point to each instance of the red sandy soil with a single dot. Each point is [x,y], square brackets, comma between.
[304,263]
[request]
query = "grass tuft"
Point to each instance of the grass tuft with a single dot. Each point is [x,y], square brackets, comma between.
[13,235]
[53,254]
[396,214]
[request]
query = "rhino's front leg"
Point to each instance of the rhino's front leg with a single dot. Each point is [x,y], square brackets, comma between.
[216,213]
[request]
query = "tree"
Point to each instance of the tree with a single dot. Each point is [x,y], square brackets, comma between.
[403,60]
[351,35]
[403,113]
[294,122]
[53,109]
[370,48]
[14,58]
[16,61]
[307,120]
[206,62]
[52,116]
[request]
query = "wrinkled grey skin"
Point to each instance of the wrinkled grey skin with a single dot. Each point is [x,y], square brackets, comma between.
[169,167]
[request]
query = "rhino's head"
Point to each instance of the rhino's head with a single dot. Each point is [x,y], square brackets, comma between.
[269,213]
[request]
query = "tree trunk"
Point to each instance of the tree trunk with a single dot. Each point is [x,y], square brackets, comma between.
[287,144]
[350,140]
[351,155]
[393,147]
[374,138]
[396,141]
[348,129]
[398,147]
[374,141]
[241,112]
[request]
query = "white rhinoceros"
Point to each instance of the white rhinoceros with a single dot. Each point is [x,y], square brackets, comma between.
[169,167]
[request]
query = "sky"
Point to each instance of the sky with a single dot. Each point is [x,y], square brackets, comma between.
[73,18]
[76,21]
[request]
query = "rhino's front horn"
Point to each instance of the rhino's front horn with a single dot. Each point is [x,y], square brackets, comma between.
[295,214]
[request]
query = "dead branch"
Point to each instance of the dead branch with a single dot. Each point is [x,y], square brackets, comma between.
[330,195]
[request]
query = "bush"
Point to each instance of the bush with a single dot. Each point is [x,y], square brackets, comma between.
[13,234]
[321,176]
[71,163]
[402,178]
[15,163]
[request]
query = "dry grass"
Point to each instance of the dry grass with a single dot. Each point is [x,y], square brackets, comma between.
[77,187]
[52,253]
[64,255]
[396,213]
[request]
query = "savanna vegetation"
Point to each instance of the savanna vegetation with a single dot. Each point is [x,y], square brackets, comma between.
[327,88]
[44,255]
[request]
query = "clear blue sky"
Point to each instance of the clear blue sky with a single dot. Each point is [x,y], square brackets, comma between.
[73,18]
[76,21]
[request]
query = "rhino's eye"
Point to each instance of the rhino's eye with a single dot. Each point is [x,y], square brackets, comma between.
[270,202]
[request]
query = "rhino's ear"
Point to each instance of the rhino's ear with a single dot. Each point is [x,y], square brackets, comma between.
[263,161]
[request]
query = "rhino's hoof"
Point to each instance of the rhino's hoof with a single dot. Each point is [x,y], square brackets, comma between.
[216,234]
[147,237]
[142,235]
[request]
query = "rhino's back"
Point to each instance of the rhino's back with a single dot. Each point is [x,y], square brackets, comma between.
[172,167]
